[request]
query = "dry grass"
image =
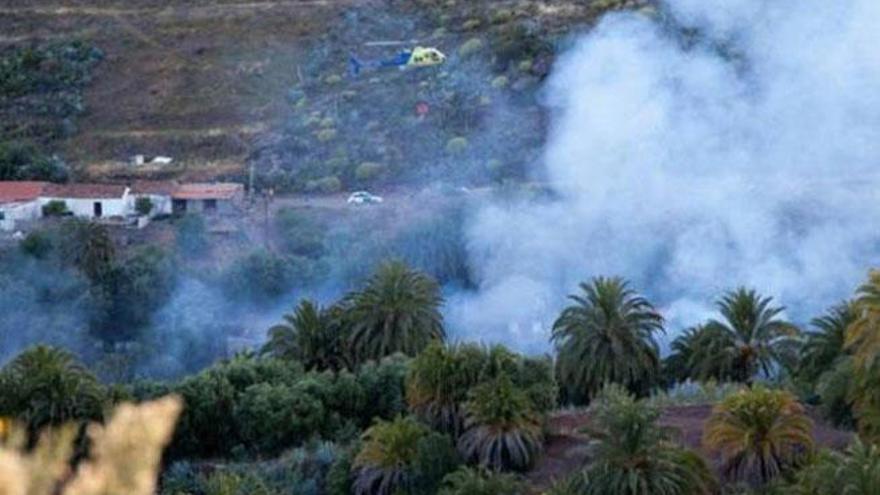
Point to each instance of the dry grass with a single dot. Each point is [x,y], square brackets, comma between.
[124,459]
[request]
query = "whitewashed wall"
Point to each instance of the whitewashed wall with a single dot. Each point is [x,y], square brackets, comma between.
[84,207]
[14,213]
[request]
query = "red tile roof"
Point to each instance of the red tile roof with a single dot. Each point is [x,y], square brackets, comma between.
[85,191]
[15,191]
[221,190]
[157,187]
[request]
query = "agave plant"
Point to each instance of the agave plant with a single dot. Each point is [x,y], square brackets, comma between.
[856,472]
[397,311]
[760,433]
[750,338]
[501,430]
[632,455]
[386,460]
[606,336]
[311,335]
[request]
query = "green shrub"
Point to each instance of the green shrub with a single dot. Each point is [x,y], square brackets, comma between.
[22,161]
[471,24]
[470,47]
[368,171]
[326,134]
[143,205]
[326,185]
[299,234]
[333,79]
[37,244]
[260,276]
[500,82]
[383,383]
[55,208]
[457,145]
[272,417]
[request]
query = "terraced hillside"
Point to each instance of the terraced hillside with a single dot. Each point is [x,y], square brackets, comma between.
[221,85]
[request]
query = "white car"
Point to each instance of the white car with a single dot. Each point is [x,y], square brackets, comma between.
[363,198]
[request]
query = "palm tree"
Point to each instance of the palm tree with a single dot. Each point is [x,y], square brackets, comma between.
[437,385]
[606,336]
[386,461]
[46,386]
[470,481]
[501,431]
[750,338]
[759,433]
[698,354]
[397,311]
[311,335]
[856,472]
[632,455]
[863,336]
[863,342]
[826,345]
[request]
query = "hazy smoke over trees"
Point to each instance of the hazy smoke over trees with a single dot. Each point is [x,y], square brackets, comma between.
[742,152]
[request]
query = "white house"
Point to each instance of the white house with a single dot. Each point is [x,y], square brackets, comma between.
[158,192]
[90,200]
[19,203]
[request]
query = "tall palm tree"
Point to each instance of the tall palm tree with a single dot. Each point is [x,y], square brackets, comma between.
[863,336]
[632,455]
[606,336]
[311,335]
[760,433]
[825,345]
[46,386]
[386,461]
[863,342]
[397,311]
[501,430]
[750,337]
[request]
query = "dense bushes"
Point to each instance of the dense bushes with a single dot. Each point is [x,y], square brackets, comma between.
[250,405]
[21,161]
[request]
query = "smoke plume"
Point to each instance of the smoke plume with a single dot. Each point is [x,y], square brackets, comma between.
[717,144]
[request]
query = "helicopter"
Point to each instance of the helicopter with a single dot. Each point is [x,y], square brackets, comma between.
[419,56]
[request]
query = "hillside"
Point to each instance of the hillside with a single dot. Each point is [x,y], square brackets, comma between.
[220,85]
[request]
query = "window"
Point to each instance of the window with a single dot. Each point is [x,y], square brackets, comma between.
[210,205]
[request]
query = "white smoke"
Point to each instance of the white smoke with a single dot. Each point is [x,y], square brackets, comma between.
[745,155]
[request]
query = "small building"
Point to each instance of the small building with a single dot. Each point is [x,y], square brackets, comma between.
[90,200]
[158,192]
[221,197]
[19,203]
